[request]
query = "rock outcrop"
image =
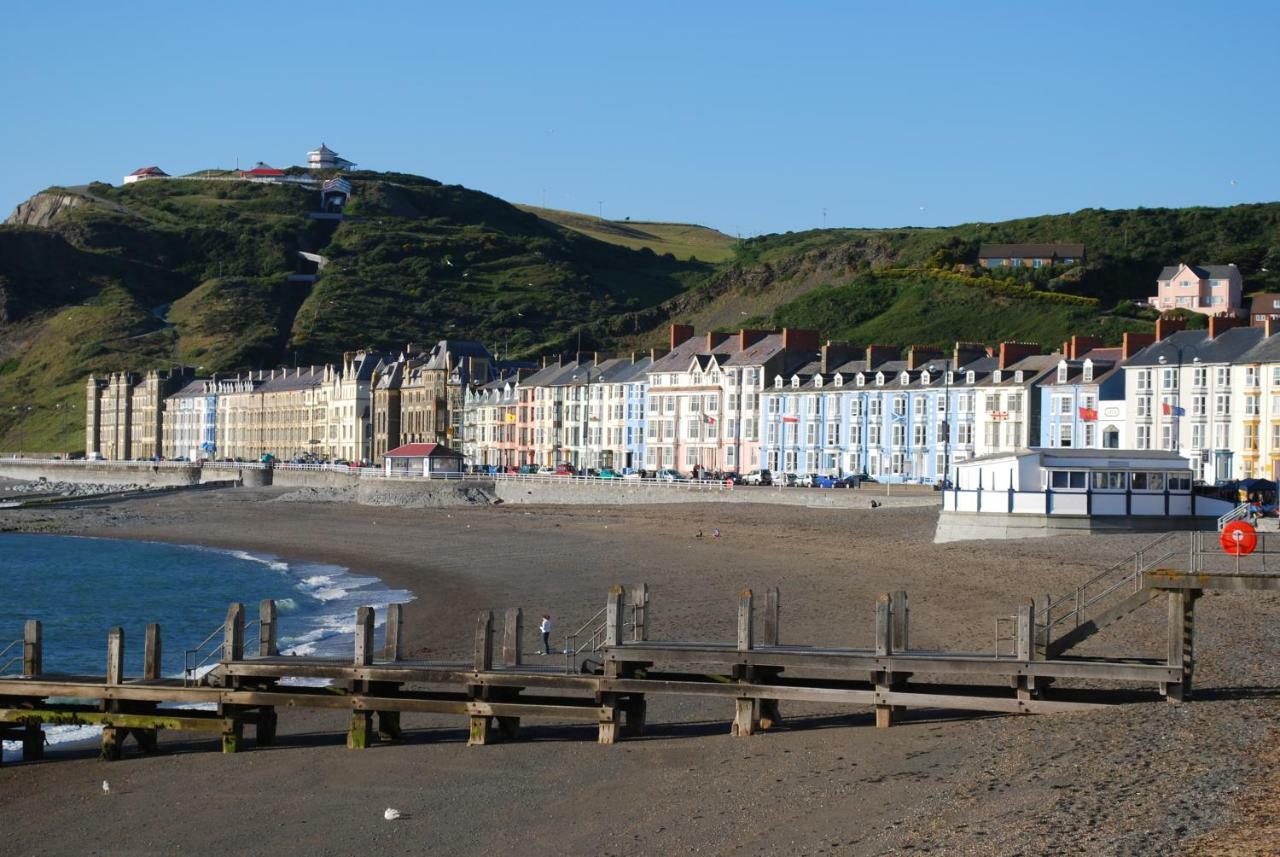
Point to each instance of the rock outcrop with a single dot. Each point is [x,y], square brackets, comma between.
[43,208]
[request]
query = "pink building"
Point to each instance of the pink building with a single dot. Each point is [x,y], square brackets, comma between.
[1207,289]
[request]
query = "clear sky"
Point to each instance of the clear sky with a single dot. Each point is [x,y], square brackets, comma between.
[749,117]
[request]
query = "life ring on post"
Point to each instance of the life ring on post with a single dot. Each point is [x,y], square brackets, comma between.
[1239,538]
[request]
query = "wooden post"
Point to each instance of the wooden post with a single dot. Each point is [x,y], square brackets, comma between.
[884,648]
[480,723]
[746,626]
[900,613]
[614,618]
[512,636]
[1182,609]
[33,648]
[233,728]
[233,633]
[1042,638]
[772,617]
[32,741]
[115,656]
[633,713]
[364,636]
[265,733]
[359,735]
[389,726]
[1025,646]
[640,610]
[395,619]
[268,628]
[151,653]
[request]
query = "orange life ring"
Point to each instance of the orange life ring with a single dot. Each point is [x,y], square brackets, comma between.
[1239,538]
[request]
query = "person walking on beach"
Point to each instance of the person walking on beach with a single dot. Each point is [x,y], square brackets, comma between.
[545,628]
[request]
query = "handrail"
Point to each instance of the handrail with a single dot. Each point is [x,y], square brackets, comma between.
[1237,514]
[15,659]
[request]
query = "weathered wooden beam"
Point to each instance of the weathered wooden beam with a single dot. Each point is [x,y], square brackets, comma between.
[1025,646]
[613,617]
[32,742]
[33,648]
[1229,581]
[233,633]
[364,636]
[746,620]
[360,732]
[481,730]
[484,641]
[151,653]
[639,597]
[512,636]
[393,632]
[884,647]
[268,628]
[772,617]
[115,656]
[900,613]
[884,629]
[744,717]
[1181,637]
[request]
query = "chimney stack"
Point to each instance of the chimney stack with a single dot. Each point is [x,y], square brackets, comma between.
[1012,352]
[1135,342]
[919,355]
[656,353]
[836,353]
[1219,324]
[878,355]
[715,339]
[748,338]
[679,333]
[799,340]
[967,352]
[1270,327]
[1078,346]
[1166,326]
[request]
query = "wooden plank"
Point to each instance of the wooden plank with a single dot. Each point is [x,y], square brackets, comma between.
[364,636]
[743,717]
[151,653]
[613,617]
[268,628]
[1227,581]
[1024,632]
[512,636]
[988,703]
[484,641]
[884,632]
[746,625]
[772,616]
[189,722]
[233,633]
[1181,642]
[33,648]
[360,731]
[900,612]
[639,597]
[115,655]
[393,632]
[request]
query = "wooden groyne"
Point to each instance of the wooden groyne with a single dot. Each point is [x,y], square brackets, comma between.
[620,669]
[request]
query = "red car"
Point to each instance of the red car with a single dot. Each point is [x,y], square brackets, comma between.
[565,470]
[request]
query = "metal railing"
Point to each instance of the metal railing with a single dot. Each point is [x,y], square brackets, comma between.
[193,659]
[593,635]
[1239,513]
[18,658]
[1127,573]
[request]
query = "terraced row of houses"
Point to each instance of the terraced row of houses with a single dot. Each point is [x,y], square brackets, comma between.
[719,402]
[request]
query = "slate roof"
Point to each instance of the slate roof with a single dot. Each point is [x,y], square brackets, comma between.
[1227,348]
[1204,272]
[1030,251]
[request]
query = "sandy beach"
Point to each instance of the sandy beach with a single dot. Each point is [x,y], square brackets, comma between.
[1150,778]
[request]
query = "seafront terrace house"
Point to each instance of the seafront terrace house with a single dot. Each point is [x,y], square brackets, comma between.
[1029,255]
[1206,289]
[1256,382]
[543,416]
[124,413]
[190,421]
[609,409]
[703,400]
[1189,393]
[1082,399]
[490,422]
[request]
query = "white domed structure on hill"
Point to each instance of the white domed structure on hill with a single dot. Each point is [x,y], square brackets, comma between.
[325,158]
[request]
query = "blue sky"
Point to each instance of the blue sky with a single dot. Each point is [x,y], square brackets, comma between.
[749,117]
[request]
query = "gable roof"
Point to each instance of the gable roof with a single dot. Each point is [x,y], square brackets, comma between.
[422,450]
[1204,272]
[149,171]
[1189,345]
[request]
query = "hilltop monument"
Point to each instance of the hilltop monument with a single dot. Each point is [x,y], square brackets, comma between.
[325,158]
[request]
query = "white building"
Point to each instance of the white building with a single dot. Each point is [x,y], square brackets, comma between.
[325,158]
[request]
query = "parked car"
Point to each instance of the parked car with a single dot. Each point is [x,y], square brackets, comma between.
[850,481]
[822,480]
[790,480]
[609,473]
[546,470]
[527,469]
[758,477]
[563,469]
[95,456]
[635,474]
[668,476]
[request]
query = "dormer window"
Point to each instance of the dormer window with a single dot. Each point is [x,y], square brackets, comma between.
[924,377]
[995,376]
[1062,373]
[904,378]
[817,380]
[839,380]
[879,379]
[1017,376]
[1088,371]
[951,377]
[861,380]
[777,381]
[969,377]
[795,380]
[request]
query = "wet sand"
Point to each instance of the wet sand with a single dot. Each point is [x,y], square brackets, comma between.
[1151,778]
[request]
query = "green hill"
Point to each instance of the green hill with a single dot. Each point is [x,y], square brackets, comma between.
[101,278]
[682,240]
[197,272]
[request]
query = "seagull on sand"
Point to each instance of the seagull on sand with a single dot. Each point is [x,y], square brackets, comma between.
[106,787]
[391,814]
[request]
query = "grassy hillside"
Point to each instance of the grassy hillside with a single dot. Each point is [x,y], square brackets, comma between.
[196,272]
[682,240]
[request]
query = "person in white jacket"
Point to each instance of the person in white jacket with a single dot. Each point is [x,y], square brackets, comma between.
[545,628]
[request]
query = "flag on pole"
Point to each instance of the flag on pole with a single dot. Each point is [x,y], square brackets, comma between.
[1089,414]
[1173,410]
[790,418]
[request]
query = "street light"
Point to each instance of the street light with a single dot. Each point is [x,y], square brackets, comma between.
[1177,395]
[586,415]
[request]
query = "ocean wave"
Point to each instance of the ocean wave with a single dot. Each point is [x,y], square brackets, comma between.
[269,561]
[55,735]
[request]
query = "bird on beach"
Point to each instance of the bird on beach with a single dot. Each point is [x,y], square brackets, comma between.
[715,534]
[391,814]
[106,787]
[698,534]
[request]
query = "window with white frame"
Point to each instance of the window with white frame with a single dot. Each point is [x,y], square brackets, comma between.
[1062,373]
[811,434]
[1199,405]
[833,433]
[1222,376]
[1222,435]
[918,434]
[1168,379]
[1197,435]
[1222,405]
[773,434]
[873,434]
[1088,435]
[1144,379]
[813,405]
[873,407]
[1143,437]
[855,407]
[1064,434]
[1144,406]
[855,434]
[1251,376]
[899,406]
[1251,406]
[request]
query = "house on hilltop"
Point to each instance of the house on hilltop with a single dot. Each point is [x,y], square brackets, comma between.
[1263,308]
[1206,289]
[143,173]
[1029,255]
[262,172]
[325,158]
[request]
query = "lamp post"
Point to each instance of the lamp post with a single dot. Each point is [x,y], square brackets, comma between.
[1177,395]
[586,417]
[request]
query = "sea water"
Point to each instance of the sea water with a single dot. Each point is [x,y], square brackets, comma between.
[79,588]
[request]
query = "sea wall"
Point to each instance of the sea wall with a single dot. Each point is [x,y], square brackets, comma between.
[967,526]
[104,473]
[551,492]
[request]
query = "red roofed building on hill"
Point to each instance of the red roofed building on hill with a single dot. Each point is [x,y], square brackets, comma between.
[262,171]
[145,173]
[422,459]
